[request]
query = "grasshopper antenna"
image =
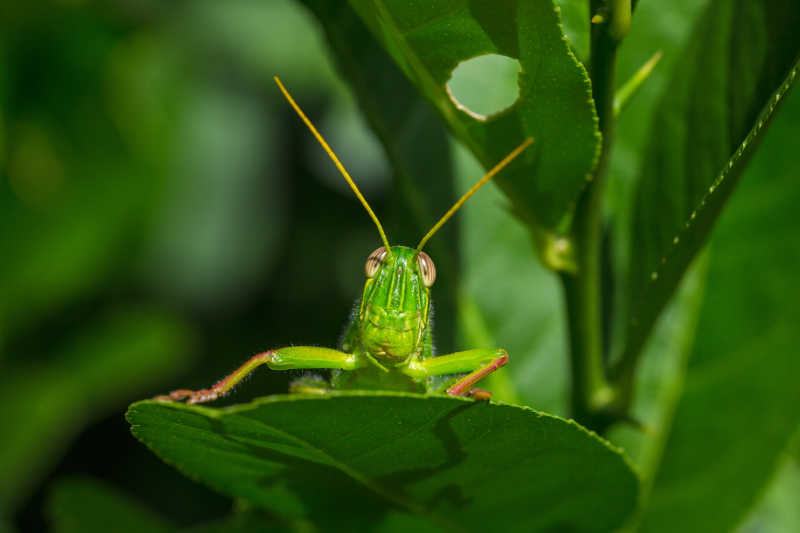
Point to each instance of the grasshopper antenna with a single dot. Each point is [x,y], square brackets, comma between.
[335,161]
[489,175]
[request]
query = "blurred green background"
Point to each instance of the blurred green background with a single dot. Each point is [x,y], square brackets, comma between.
[164,214]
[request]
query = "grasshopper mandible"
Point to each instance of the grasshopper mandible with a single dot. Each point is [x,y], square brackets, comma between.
[388,343]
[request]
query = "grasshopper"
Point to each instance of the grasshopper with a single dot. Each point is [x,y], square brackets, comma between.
[388,343]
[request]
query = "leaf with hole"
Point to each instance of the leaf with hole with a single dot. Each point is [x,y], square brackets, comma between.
[429,42]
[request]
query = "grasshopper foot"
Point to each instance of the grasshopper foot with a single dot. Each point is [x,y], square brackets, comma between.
[190,396]
[481,395]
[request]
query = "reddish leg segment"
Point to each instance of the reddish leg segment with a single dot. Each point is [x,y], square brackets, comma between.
[463,387]
[484,360]
[280,359]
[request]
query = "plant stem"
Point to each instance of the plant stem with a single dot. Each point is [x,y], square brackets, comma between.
[591,393]
[620,20]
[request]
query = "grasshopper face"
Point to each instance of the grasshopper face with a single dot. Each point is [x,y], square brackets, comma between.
[395,304]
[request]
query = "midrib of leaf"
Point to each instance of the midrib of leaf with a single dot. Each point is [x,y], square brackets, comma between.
[399,500]
[704,212]
[354,474]
[719,190]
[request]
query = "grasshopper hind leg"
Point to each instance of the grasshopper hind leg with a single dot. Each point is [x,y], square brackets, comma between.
[456,373]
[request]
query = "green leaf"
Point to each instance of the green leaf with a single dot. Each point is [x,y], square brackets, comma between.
[739,60]
[428,40]
[461,464]
[530,323]
[741,404]
[44,406]
[778,510]
[575,18]
[664,27]
[660,379]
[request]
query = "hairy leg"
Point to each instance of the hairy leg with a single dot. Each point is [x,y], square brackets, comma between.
[280,359]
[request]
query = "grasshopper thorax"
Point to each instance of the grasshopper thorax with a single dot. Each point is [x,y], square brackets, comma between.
[395,304]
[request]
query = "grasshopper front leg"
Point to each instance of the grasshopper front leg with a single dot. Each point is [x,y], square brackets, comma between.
[293,357]
[479,362]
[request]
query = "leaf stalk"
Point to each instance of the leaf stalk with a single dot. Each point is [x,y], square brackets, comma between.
[592,396]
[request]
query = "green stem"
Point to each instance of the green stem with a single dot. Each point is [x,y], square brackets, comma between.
[591,394]
[620,19]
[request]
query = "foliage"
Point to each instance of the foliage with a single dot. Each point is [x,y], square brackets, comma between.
[434,457]
[155,190]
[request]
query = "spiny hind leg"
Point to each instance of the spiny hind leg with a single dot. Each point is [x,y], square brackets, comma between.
[294,357]
[464,386]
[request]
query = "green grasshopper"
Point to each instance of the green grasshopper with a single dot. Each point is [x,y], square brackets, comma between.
[388,343]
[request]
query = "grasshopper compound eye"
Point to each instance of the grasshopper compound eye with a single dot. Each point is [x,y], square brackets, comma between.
[374,261]
[426,268]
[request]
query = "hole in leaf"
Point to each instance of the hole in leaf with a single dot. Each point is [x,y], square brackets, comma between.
[484,85]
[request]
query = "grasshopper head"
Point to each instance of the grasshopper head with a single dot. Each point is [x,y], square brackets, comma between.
[395,304]
[396,301]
